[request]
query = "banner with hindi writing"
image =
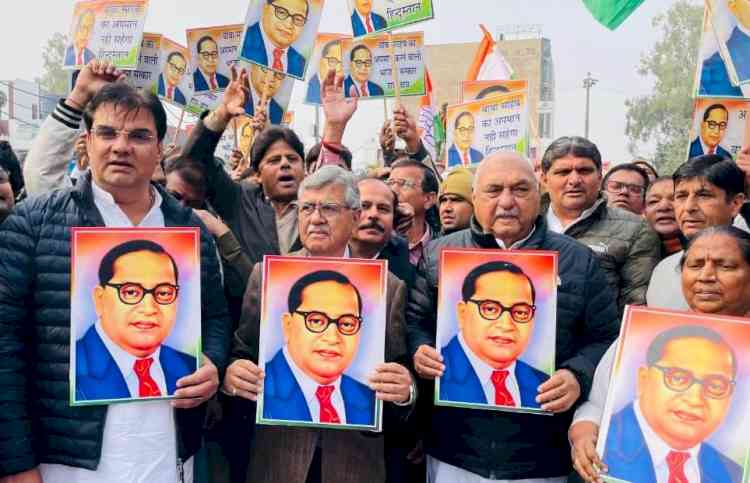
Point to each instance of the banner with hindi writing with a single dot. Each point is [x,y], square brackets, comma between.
[368,65]
[373,16]
[147,71]
[479,128]
[173,83]
[107,30]
[213,52]
[327,55]
[473,90]
[718,126]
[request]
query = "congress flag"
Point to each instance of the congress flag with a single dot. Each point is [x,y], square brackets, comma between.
[489,63]
[611,13]
[430,126]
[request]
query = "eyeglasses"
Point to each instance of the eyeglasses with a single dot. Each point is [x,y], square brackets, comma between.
[327,210]
[464,131]
[132,293]
[282,14]
[209,55]
[276,75]
[401,183]
[618,187]
[177,68]
[333,62]
[362,63]
[680,380]
[493,310]
[136,136]
[722,126]
[318,322]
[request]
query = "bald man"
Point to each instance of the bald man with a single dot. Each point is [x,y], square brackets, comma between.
[506,216]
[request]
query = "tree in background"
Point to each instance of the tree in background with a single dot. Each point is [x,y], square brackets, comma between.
[54,79]
[664,116]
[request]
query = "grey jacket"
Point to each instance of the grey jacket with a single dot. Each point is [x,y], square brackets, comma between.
[626,247]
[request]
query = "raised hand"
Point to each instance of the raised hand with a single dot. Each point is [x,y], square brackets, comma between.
[91,79]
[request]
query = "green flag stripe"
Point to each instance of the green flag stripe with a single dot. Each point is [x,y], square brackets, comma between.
[611,13]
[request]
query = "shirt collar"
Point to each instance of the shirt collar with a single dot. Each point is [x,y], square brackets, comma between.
[481,368]
[556,225]
[105,199]
[658,448]
[426,237]
[124,360]
[517,244]
[307,383]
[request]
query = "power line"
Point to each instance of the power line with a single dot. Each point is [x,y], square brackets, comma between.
[35,94]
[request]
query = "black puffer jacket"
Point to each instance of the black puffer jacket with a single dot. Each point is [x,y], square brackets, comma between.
[510,446]
[37,423]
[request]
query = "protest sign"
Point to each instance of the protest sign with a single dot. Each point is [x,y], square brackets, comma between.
[718,126]
[497,316]
[271,87]
[115,272]
[147,71]
[173,84]
[106,30]
[372,16]
[289,30]
[678,380]
[368,65]
[213,52]
[730,22]
[295,349]
[477,129]
[474,90]
[327,56]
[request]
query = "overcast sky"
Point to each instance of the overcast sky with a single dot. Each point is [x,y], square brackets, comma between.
[579,45]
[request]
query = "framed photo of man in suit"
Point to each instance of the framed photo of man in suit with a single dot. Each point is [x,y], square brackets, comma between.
[328,55]
[174,83]
[372,16]
[134,313]
[322,335]
[678,400]
[213,51]
[280,34]
[496,327]
[718,126]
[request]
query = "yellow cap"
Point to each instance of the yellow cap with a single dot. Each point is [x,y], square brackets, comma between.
[458,182]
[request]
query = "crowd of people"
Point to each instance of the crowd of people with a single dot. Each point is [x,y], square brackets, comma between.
[630,236]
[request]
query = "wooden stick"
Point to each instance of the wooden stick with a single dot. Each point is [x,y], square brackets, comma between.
[234,126]
[179,126]
[263,102]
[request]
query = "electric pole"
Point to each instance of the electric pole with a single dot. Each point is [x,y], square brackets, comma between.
[588,83]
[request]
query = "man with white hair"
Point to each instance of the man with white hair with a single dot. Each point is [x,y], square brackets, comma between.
[329,210]
[473,446]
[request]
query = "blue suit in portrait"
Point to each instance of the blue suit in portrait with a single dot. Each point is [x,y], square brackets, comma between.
[179,97]
[275,112]
[739,49]
[628,458]
[373,89]
[70,55]
[313,95]
[454,157]
[201,83]
[461,384]
[715,79]
[254,49]
[284,400]
[696,149]
[378,23]
[99,377]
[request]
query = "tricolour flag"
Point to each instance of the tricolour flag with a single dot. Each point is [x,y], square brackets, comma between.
[430,124]
[489,63]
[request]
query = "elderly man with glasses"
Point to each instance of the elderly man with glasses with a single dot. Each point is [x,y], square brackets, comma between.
[329,210]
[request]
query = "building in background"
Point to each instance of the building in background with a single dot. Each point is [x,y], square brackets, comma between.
[26,107]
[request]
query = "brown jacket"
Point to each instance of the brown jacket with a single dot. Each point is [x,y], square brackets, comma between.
[284,454]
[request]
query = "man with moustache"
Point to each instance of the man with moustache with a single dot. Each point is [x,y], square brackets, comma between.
[626,247]
[709,190]
[454,202]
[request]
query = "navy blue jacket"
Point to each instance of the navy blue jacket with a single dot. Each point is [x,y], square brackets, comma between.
[254,50]
[696,149]
[461,384]
[98,377]
[627,456]
[378,23]
[283,398]
[37,423]
[509,445]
